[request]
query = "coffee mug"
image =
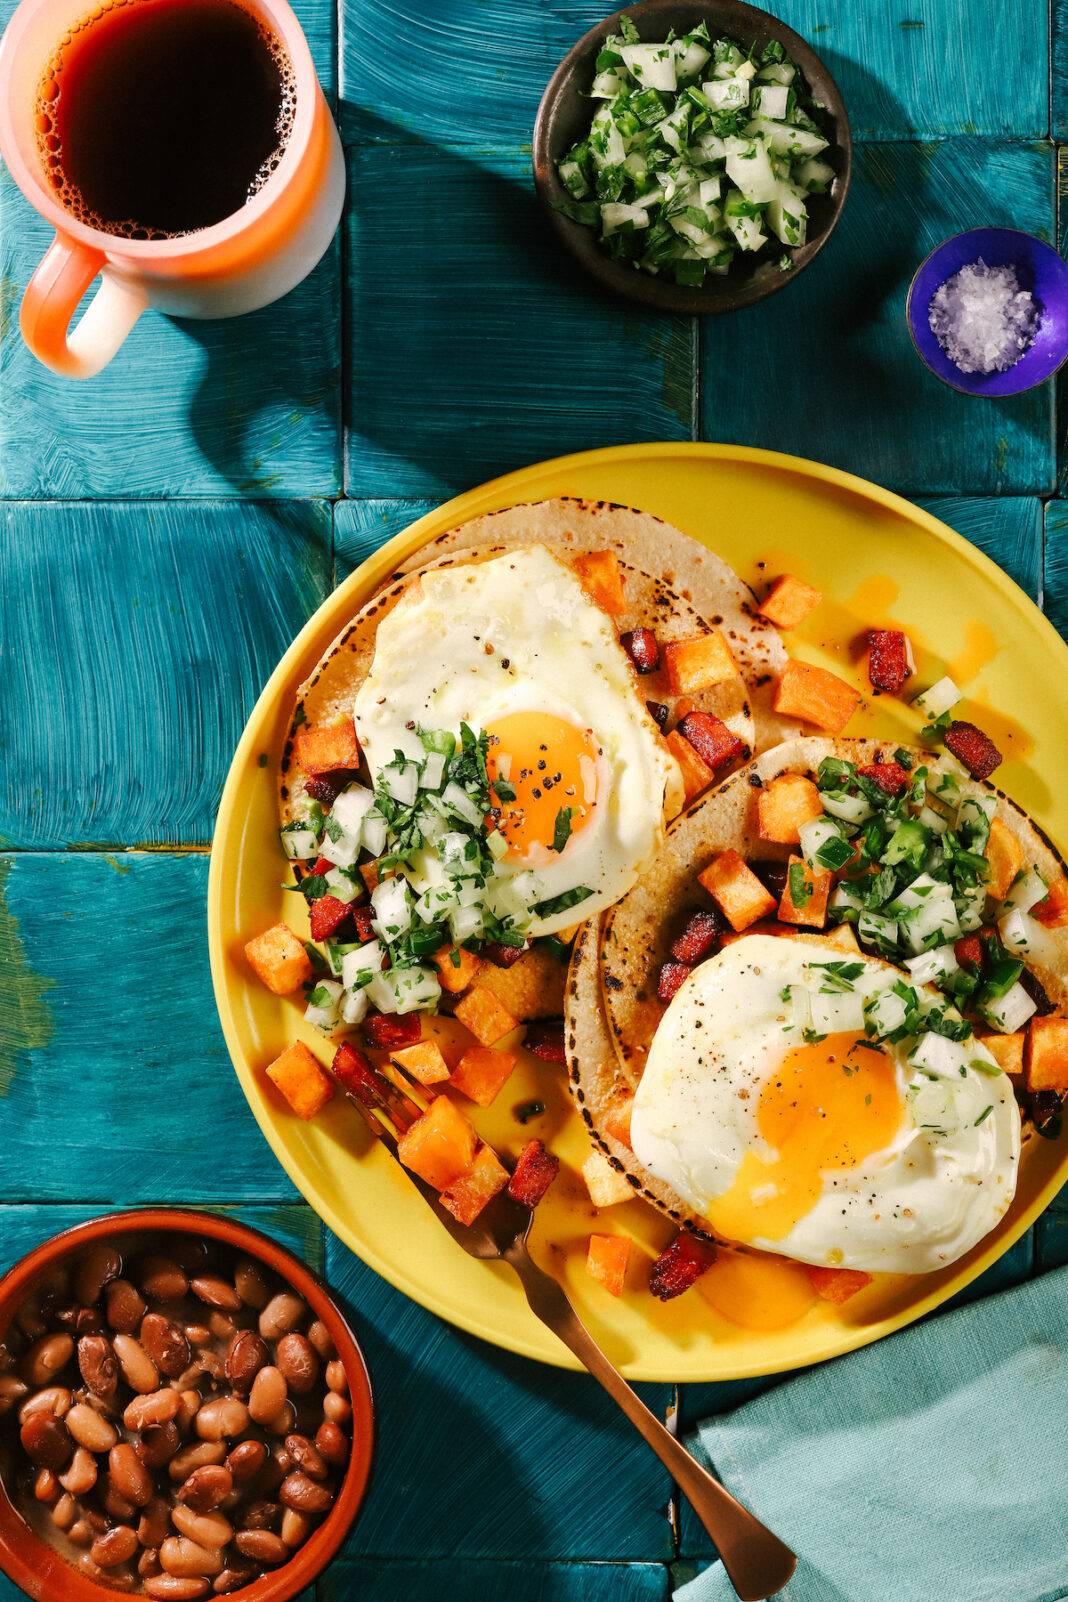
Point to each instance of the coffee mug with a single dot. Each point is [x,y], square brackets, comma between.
[245,261]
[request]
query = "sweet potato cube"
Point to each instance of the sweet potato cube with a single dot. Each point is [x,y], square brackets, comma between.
[439,1146]
[607,1257]
[1008,1052]
[699,662]
[1046,1054]
[616,1119]
[784,804]
[327,747]
[810,907]
[456,968]
[606,1185]
[836,1284]
[485,1015]
[789,601]
[696,773]
[1053,910]
[466,1196]
[423,1061]
[736,890]
[598,573]
[816,696]
[1005,858]
[303,1083]
[279,959]
[534,1172]
[481,1072]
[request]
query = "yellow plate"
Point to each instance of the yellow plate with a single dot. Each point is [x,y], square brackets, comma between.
[876,558]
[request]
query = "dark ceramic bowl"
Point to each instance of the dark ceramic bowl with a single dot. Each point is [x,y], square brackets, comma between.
[39,1570]
[564,117]
[1039,269]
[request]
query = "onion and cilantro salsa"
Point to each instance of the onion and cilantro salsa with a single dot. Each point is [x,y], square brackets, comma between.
[913,884]
[429,825]
[698,150]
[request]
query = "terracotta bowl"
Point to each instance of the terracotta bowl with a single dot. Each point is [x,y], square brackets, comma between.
[564,116]
[41,1572]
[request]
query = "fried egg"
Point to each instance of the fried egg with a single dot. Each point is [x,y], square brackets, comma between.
[515,647]
[820,1146]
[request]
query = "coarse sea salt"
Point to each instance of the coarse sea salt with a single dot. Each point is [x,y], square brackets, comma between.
[982,319]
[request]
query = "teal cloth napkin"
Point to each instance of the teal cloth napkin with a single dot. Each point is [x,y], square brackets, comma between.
[930,1467]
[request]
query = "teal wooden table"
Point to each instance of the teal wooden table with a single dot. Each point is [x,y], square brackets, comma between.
[169,526]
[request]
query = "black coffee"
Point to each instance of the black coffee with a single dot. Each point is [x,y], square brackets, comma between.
[160,117]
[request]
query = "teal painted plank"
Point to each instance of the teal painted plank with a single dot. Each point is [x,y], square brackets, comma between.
[1059,69]
[361,527]
[459,1581]
[1056,565]
[827,368]
[293,1225]
[248,406]
[115,1083]
[141,634]
[1051,1241]
[475,346]
[1006,528]
[483,1454]
[900,65]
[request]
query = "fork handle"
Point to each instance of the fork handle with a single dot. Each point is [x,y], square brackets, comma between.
[758,1563]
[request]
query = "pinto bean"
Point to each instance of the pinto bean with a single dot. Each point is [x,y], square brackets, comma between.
[184,1557]
[209,1530]
[125,1306]
[282,1314]
[116,1506]
[154,1524]
[223,1416]
[321,1339]
[81,1533]
[262,1547]
[336,1378]
[338,1409]
[194,1456]
[97,1268]
[268,1394]
[232,1578]
[98,1365]
[117,1546]
[246,1460]
[247,1355]
[298,1361]
[46,1487]
[46,1358]
[154,1407]
[296,1527]
[333,1443]
[129,1475]
[47,1441]
[197,1334]
[157,1444]
[161,1279]
[165,1344]
[148,1563]
[306,1457]
[262,1515]
[138,1369]
[214,1291]
[252,1283]
[12,1391]
[205,1488]
[176,1588]
[303,1494]
[63,1513]
[54,1399]
[81,1474]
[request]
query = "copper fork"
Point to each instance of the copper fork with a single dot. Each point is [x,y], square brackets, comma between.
[758,1563]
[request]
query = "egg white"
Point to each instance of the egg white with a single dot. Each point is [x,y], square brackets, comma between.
[918,1204]
[474,643]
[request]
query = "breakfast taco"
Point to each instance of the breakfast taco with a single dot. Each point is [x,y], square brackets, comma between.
[481,752]
[821,1024]
[574,527]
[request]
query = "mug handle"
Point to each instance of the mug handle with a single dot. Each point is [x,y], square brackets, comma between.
[52,296]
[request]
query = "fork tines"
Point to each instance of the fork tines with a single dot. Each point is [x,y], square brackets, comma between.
[385,1096]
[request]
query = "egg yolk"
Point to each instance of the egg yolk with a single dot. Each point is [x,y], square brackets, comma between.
[551,765]
[829,1106]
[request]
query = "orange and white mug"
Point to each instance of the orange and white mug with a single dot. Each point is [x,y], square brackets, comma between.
[246,261]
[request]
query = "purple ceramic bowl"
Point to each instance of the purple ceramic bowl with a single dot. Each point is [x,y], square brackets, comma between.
[1039,269]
